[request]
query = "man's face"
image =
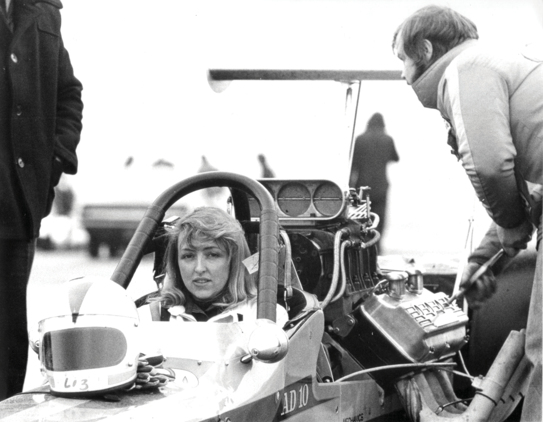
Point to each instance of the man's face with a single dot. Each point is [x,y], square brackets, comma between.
[411,71]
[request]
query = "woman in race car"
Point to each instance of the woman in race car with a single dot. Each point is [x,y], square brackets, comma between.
[206,279]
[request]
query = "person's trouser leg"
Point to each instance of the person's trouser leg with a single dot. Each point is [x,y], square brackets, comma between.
[16,257]
[531,410]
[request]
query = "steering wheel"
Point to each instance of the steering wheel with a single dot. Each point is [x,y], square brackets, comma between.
[268,242]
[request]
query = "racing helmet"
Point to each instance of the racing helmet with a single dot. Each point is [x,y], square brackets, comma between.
[90,347]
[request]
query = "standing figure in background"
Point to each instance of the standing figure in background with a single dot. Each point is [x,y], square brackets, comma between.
[492,100]
[64,198]
[267,172]
[212,196]
[40,126]
[205,166]
[373,150]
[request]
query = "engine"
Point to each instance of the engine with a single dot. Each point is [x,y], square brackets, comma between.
[381,318]
[403,324]
[379,323]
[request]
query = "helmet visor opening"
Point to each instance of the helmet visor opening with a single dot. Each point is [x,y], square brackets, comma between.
[83,348]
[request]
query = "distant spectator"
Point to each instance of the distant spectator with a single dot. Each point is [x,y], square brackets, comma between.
[210,194]
[161,162]
[205,166]
[267,172]
[373,150]
[64,198]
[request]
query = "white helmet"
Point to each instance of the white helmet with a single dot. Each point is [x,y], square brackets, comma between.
[91,346]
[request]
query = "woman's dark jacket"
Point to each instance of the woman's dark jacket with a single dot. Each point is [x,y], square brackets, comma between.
[40,116]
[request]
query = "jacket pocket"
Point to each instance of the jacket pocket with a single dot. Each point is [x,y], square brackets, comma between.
[49,27]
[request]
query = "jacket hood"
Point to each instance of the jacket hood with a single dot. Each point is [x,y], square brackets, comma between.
[426,86]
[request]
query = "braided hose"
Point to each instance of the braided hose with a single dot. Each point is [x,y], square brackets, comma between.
[335,275]
[339,263]
[343,284]
[375,221]
[373,240]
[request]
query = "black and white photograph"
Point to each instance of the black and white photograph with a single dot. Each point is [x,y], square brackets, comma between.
[271,210]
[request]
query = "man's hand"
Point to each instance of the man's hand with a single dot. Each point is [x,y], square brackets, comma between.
[481,289]
[516,238]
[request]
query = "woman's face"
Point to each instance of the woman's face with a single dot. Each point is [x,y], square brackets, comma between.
[204,267]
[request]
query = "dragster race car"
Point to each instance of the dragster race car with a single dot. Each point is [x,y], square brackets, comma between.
[361,343]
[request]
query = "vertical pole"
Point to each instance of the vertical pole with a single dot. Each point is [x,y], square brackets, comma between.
[352,99]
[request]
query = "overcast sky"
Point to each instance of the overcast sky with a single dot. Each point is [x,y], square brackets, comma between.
[143,66]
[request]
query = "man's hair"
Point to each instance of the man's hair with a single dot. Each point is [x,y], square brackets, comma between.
[442,26]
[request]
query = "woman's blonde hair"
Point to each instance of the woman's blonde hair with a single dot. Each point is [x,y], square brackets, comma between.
[213,224]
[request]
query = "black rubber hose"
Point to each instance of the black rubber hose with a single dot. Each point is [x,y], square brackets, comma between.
[269,232]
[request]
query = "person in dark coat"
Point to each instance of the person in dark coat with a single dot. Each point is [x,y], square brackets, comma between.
[40,126]
[373,151]
[266,172]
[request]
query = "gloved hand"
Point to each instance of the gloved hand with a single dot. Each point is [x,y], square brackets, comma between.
[515,238]
[481,289]
[151,374]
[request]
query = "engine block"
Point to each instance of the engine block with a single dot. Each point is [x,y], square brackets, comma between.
[421,327]
[405,326]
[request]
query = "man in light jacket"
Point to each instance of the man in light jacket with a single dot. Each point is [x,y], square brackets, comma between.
[493,102]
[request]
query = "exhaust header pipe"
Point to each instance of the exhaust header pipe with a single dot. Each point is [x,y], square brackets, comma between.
[429,397]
